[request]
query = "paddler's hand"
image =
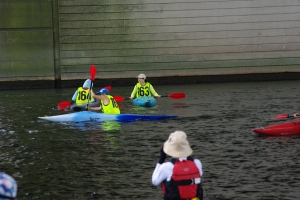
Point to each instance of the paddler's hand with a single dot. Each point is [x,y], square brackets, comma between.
[158,96]
[130,98]
[87,107]
[162,157]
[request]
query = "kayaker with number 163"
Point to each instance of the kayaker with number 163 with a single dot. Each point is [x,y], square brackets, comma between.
[143,88]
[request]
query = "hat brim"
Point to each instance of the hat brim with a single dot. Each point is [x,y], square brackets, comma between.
[181,152]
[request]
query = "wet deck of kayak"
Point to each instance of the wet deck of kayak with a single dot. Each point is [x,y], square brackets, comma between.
[115,160]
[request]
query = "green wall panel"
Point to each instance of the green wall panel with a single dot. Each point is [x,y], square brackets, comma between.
[25,13]
[26,39]
[26,53]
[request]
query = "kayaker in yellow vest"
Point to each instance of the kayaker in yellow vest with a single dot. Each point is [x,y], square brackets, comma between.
[143,88]
[108,105]
[81,94]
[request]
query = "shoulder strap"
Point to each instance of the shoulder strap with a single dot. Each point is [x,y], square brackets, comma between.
[173,161]
[190,158]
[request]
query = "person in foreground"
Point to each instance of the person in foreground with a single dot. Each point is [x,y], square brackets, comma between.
[81,95]
[143,88]
[8,187]
[181,177]
[108,105]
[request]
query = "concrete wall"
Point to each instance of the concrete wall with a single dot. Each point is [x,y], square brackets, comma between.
[175,37]
[161,38]
[26,40]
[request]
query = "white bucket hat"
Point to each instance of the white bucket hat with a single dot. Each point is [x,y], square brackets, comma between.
[177,145]
[87,83]
[142,76]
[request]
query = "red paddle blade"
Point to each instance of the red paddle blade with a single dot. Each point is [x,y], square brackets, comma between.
[93,72]
[63,105]
[108,88]
[179,95]
[282,116]
[119,98]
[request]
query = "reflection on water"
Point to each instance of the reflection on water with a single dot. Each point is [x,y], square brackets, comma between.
[85,126]
[113,160]
[110,126]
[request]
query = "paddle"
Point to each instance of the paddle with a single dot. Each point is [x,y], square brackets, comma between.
[108,88]
[66,104]
[93,75]
[179,95]
[283,116]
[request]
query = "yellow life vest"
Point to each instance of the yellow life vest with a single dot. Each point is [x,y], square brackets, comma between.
[112,107]
[143,91]
[82,96]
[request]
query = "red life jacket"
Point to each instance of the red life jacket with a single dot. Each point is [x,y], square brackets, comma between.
[185,182]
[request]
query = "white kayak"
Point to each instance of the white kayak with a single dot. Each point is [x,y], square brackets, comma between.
[89,116]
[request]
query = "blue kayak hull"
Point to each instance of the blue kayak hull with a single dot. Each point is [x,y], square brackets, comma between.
[144,101]
[89,116]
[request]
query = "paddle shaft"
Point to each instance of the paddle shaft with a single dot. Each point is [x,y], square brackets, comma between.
[179,95]
[284,116]
[93,75]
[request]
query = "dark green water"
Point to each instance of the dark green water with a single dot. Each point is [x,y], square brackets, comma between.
[115,160]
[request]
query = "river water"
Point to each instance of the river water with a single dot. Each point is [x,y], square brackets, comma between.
[115,160]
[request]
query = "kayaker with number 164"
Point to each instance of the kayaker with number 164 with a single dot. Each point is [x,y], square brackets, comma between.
[81,95]
[143,88]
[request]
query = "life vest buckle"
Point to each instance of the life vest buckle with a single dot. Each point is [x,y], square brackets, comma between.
[196,181]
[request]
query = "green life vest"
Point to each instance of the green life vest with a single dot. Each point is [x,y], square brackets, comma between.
[143,90]
[82,96]
[112,107]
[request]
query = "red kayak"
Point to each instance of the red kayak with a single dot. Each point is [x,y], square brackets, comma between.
[288,128]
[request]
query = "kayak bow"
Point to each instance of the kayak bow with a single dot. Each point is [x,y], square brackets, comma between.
[288,128]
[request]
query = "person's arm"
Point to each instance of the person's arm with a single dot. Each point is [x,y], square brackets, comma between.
[74,96]
[133,92]
[162,172]
[93,93]
[199,165]
[93,108]
[153,92]
[102,97]
[99,97]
